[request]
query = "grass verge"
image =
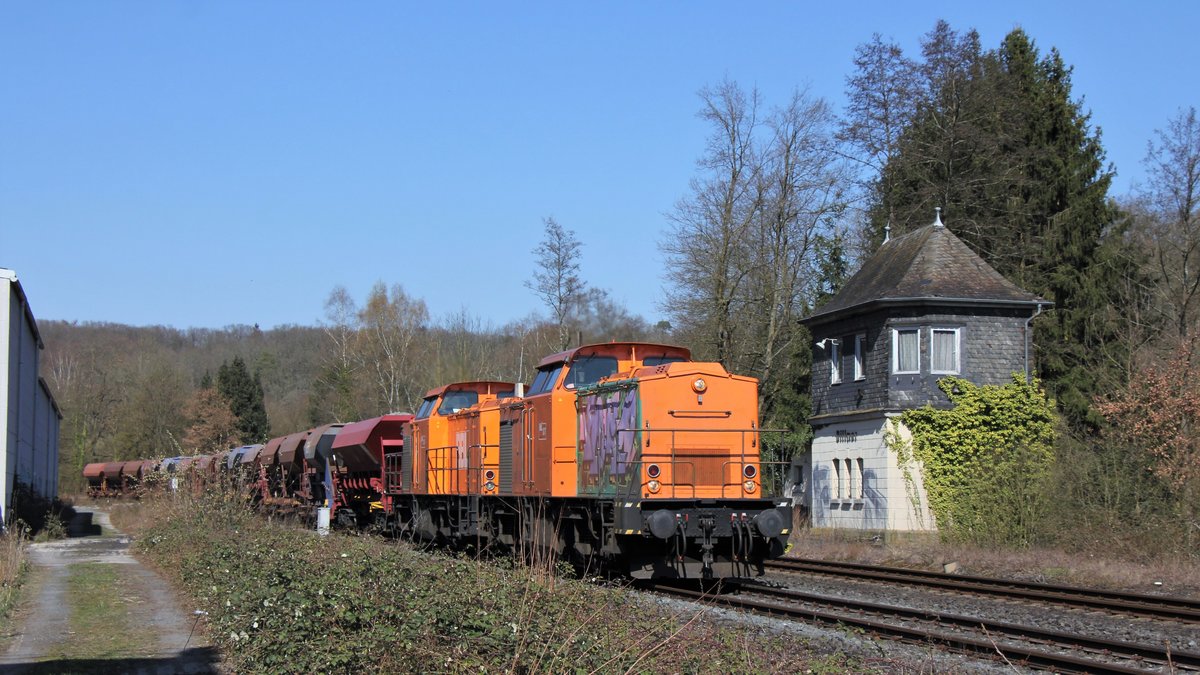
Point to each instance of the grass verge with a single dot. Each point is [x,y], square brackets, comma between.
[281,599]
[100,622]
[13,567]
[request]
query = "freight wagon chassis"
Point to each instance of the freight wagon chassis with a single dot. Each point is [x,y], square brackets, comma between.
[678,539]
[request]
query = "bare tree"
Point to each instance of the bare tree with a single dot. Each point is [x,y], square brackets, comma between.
[465,350]
[741,257]
[803,197]
[883,94]
[706,249]
[390,326]
[336,394]
[1172,197]
[602,319]
[556,277]
[212,427]
[90,397]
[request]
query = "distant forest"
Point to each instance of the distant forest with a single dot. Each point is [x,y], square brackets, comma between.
[788,198]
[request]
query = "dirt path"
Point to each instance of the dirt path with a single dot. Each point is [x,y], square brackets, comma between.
[92,607]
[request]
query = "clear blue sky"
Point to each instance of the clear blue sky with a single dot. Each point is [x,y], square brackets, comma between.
[213,163]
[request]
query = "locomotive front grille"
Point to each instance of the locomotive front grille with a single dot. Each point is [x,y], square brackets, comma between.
[700,467]
[506,453]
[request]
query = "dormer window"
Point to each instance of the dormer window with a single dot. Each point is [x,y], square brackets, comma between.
[906,351]
[944,351]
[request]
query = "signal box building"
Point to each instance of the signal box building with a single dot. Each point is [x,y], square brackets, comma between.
[29,416]
[924,307]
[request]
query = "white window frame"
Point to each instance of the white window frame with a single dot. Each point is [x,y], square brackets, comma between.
[896,350]
[858,471]
[852,485]
[860,352]
[835,361]
[957,349]
[837,479]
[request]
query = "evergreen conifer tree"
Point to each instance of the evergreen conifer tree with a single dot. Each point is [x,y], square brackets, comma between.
[245,396]
[999,143]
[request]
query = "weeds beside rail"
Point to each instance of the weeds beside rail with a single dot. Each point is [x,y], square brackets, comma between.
[280,599]
[13,566]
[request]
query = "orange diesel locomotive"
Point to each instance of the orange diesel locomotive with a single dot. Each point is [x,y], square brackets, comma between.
[622,454]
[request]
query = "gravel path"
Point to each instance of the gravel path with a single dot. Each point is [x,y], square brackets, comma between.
[41,633]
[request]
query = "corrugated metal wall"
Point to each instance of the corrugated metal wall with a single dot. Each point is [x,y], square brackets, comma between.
[29,425]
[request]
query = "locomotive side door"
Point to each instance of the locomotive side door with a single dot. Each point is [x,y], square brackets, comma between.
[541,423]
[527,479]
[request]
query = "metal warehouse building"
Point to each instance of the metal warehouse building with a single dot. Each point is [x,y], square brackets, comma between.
[29,416]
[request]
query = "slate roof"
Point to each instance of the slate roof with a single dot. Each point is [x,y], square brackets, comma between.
[929,265]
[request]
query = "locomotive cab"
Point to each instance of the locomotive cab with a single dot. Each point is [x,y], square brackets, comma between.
[441,461]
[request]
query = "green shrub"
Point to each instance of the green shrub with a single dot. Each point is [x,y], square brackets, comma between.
[986,461]
[280,599]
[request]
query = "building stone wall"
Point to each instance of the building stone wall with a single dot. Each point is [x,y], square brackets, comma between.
[857,482]
[992,348]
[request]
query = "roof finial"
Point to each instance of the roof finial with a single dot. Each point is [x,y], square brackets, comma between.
[937,219]
[887,231]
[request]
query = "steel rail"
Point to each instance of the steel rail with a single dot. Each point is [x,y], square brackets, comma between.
[991,647]
[1137,604]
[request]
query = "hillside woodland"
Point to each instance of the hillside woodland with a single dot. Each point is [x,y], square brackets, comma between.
[787,198]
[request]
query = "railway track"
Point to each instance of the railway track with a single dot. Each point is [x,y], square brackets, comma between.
[1115,602]
[1017,644]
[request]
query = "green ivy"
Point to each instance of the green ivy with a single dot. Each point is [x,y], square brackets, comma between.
[984,460]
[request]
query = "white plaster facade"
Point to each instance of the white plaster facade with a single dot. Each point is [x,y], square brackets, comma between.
[856,481]
[29,417]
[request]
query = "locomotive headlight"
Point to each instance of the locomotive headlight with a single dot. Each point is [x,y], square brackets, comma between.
[489,486]
[653,486]
[699,385]
[749,486]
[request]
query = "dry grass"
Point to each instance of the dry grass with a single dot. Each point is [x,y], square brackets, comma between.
[133,517]
[12,568]
[1177,576]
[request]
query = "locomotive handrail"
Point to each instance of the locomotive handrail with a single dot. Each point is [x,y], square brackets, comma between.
[711,431]
[740,456]
[700,413]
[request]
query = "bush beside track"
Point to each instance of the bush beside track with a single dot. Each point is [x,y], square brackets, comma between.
[280,599]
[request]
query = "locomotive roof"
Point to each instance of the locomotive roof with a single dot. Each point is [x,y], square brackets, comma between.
[492,385]
[605,346]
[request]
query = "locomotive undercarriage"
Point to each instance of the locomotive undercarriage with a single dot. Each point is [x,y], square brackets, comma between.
[681,539]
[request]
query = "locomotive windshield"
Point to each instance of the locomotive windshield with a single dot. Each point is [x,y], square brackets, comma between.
[545,380]
[425,409]
[662,360]
[453,401]
[590,370]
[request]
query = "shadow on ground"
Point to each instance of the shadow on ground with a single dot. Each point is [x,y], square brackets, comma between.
[79,523]
[198,660]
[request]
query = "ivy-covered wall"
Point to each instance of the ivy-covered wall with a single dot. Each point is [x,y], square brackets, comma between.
[983,461]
